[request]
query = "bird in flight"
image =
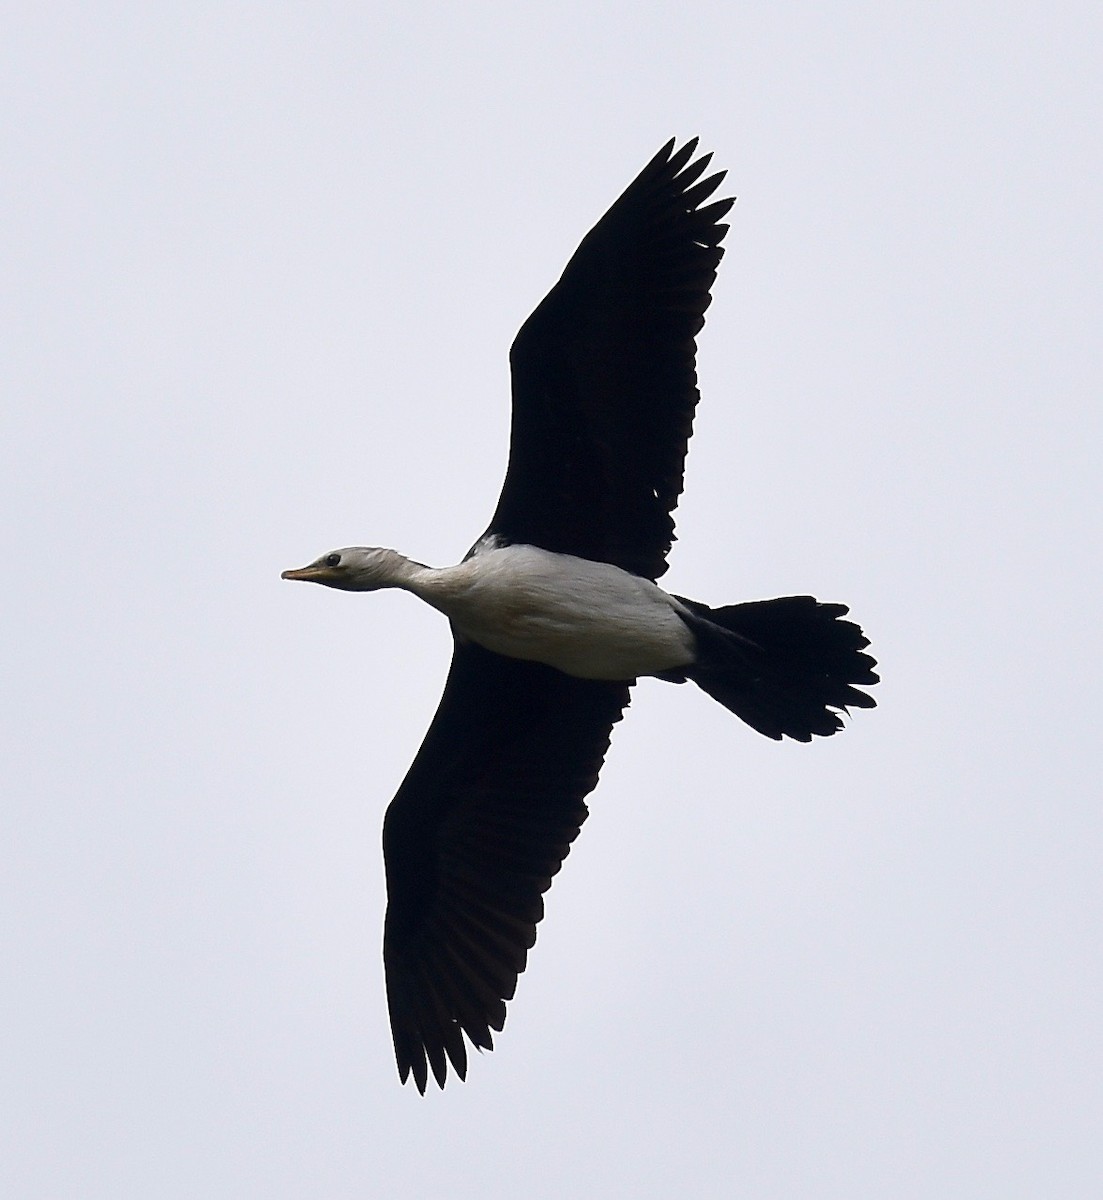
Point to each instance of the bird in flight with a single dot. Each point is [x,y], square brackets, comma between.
[555,613]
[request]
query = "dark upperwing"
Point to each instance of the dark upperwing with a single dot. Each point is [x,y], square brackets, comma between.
[604,376]
[481,823]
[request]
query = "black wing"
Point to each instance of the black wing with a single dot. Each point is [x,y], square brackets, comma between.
[481,823]
[604,376]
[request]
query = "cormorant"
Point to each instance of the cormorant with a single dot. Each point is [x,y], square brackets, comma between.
[555,612]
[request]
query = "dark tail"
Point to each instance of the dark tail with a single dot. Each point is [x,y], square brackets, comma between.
[782,665]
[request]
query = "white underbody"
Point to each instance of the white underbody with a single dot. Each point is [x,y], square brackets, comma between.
[588,619]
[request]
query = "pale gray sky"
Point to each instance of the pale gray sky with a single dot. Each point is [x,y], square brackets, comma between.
[262,266]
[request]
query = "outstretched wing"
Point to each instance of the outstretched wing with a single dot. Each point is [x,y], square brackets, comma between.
[604,375]
[481,823]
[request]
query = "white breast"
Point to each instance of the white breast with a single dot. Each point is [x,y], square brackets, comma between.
[588,619]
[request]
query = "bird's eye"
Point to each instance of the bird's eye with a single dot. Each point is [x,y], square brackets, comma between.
[332,560]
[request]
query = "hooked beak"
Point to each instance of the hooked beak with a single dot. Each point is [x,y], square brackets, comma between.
[313,574]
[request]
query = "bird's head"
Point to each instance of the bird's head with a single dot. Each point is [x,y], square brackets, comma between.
[353,569]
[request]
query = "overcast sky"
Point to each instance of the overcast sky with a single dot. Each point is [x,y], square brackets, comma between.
[262,267]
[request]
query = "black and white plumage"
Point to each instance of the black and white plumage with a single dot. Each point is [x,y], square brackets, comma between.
[555,613]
